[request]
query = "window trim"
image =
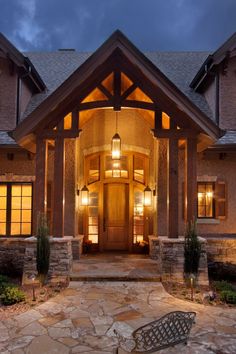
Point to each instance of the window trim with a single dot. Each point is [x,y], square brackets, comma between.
[213,201]
[9,209]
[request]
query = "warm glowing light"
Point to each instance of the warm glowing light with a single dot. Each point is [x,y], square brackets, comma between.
[139,238]
[200,195]
[116,147]
[93,238]
[209,194]
[147,200]
[84,196]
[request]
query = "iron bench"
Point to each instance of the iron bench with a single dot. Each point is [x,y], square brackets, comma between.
[171,329]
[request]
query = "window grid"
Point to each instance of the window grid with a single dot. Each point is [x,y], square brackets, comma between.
[206,202]
[16,209]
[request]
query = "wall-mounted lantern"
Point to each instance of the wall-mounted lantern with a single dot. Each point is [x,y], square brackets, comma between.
[84,196]
[147,196]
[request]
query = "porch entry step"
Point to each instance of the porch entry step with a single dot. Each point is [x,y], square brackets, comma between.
[74,277]
[115,267]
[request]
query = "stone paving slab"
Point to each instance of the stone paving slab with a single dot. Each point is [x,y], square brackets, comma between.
[71,323]
[115,267]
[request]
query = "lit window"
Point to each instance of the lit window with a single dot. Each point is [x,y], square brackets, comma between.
[94,170]
[138,221]
[16,209]
[206,201]
[139,167]
[116,168]
[93,217]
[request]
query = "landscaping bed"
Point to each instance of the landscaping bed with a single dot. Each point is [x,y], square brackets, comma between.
[15,298]
[218,293]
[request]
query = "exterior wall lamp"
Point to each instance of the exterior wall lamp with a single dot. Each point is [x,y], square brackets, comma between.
[147,196]
[84,196]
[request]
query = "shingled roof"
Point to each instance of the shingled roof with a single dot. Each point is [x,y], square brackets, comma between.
[56,67]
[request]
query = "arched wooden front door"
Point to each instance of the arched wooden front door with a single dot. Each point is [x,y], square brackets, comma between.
[116,216]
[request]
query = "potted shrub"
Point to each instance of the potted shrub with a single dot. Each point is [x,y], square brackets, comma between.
[43,248]
[87,246]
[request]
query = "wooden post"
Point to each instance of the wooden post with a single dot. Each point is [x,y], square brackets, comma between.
[59,176]
[191,179]
[173,188]
[41,179]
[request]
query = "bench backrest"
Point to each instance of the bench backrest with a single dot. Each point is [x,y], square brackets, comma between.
[170,329]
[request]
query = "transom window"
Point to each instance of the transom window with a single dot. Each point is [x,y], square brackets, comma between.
[206,201]
[15,209]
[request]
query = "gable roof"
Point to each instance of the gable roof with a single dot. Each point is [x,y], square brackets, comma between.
[116,42]
[208,66]
[24,65]
[56,67]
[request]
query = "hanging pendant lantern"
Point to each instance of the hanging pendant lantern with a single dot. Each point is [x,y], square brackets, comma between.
[116,144]
[116,147]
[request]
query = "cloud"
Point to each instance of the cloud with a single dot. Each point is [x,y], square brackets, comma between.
[150,24]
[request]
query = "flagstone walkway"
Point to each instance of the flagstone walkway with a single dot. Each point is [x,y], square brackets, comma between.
[81,320]
[115,266]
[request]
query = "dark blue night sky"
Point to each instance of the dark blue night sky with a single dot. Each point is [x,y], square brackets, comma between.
[150,24]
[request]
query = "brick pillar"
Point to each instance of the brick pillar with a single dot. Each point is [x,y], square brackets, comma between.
[173,188]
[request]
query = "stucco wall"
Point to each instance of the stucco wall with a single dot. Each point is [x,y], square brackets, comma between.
[25,97]
[20,165]
[210,96]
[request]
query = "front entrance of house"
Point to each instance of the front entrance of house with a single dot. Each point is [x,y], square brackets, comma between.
[116,216]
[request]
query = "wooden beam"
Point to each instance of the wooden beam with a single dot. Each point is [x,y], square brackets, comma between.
[173,206]
[59,192]
[96,104]
[158,120]
[105,91]
[75,120]
[173,133]
[117,90]
[41,179]
[138,104]
[191,179]
[129,91]
[54,134]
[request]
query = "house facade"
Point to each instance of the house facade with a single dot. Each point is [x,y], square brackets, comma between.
[118,145]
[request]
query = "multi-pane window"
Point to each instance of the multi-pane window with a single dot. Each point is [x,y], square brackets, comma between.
[116,168]
[139,168]
[138,218]
[94,169]
[93,217]
[206,202]
[15,209]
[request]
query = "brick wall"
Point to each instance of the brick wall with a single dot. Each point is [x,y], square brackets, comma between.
[228,96]
[8,89]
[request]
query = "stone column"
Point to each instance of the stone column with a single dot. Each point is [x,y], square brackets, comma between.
[40,190]
[173,188]
[191,179]
[59,187]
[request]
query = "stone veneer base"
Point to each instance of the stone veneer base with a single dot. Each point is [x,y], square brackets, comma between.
[169,254]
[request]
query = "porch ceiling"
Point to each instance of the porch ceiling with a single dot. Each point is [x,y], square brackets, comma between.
[117,53]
